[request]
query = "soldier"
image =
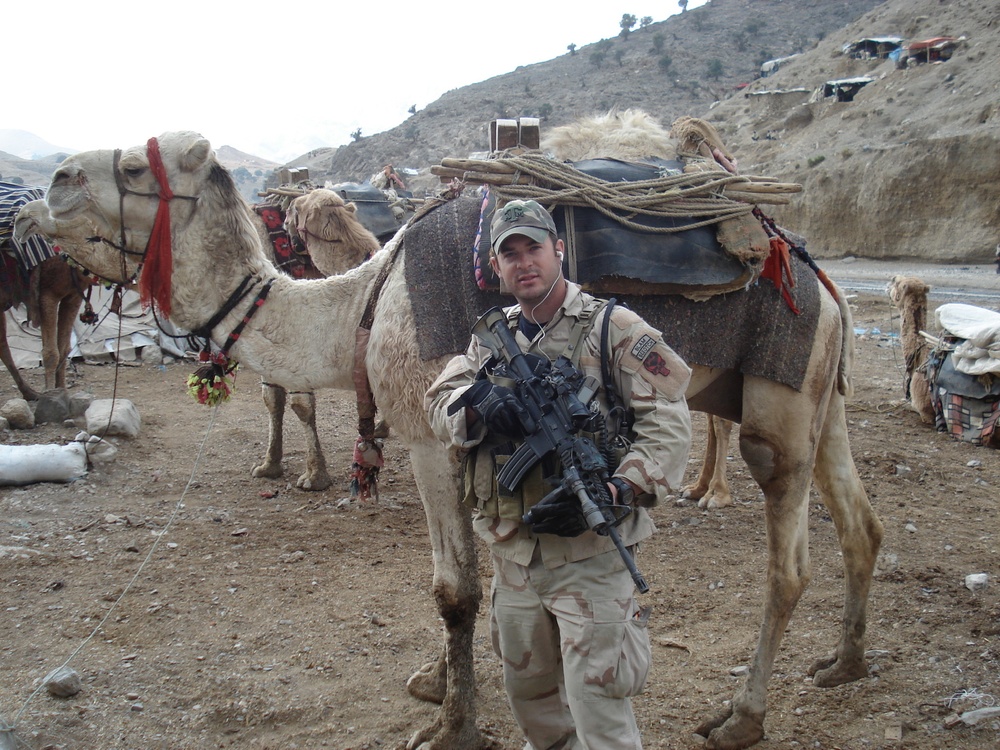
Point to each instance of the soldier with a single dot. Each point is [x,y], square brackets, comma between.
[564,619]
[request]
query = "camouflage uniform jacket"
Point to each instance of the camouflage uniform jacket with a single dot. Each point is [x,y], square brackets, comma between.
[651,380]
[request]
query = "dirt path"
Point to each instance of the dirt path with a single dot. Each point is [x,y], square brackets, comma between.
[271,618]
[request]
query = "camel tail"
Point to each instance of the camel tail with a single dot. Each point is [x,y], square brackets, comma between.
[846,367]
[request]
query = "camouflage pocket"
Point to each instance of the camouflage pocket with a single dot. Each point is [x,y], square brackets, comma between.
[620,653]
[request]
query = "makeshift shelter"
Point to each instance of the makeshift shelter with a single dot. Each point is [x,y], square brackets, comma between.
[770,67]
[845,89]
[936,49]
[873,47]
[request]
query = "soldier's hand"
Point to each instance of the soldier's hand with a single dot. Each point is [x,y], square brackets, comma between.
[498,407]
[561,516]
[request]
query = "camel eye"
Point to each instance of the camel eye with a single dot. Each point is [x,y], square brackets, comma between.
[134,173]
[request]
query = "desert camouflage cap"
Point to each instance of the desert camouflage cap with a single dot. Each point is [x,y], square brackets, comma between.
[520,217]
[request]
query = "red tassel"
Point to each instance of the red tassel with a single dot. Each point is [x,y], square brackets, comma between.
[778,268]
[154,282]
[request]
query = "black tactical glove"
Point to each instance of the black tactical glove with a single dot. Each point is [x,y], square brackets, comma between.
[498,407]
[561,516]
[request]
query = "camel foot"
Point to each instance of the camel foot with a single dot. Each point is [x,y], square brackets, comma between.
[382,429]
[429,683]
[314,481]
[267,470]
[715,501]
[731,731]
[832,671]
[693,492]
[438,737]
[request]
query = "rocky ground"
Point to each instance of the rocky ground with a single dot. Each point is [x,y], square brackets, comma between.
[203,608]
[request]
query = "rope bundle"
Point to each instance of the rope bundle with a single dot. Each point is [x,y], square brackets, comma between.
[705,196]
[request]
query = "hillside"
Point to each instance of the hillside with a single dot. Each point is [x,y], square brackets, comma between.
[908,169]
[675,67]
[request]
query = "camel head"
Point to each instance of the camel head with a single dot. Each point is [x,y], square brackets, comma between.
[150,204]
[331,230]
[904,290]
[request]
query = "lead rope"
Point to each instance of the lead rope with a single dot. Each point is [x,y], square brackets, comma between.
[9,730]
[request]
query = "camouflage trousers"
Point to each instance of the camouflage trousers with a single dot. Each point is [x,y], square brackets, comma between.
[574,647]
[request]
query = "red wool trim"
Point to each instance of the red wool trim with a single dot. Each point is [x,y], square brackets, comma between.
[154,282]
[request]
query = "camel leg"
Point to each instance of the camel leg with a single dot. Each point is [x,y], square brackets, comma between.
[316,477]
[718,495]
[48,310]
[457,592]
[69,308]
[860,533]
[274,400]
[709,460]
[27,392]
[777,439]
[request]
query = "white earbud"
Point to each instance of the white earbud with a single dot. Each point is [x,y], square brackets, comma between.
[560,256]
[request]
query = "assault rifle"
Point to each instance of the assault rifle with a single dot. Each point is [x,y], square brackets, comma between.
[554,397]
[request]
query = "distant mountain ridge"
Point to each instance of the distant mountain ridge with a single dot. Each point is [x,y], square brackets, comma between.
[28,146]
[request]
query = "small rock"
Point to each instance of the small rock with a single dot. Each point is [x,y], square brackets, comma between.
[911,528]
[739,671]
[974,463]
[18,414]
[977,581]
[52,406]
[63,682]
[152,355]
[106,416]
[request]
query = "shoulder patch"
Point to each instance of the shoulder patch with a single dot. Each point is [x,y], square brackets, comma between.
[643,347]
[656,364]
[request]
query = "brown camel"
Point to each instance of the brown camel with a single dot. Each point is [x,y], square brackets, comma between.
[788,437]
[51,289]
[909,295]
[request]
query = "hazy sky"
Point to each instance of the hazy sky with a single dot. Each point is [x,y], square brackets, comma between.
[274,79]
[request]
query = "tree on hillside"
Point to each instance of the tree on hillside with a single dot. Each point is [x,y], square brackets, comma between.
[665,63]
[619,56]
[714,70]
[597,58]
[645,21]
[413,109]
[658,40]
[627,23]
[683,4]
[356,135]
[572,48]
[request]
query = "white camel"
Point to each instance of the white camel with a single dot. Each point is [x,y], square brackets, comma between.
[304,338]
[909,295]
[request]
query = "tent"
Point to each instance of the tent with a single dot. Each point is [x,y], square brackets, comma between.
[112,337]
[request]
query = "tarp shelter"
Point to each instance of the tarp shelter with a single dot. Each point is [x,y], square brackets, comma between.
[936,49]
[771,66]
[845,88]
[873,47]
[111,338]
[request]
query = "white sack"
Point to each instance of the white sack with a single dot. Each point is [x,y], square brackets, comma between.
[27,464]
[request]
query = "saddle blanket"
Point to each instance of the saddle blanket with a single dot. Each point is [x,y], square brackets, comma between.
[35,249]
[752,331]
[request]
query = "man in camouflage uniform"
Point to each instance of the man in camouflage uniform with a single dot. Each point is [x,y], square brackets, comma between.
[572,639]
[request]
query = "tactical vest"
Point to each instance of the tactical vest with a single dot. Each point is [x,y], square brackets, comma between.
[535,484]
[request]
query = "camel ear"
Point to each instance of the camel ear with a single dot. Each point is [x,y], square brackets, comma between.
[196,155]
[351,207]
